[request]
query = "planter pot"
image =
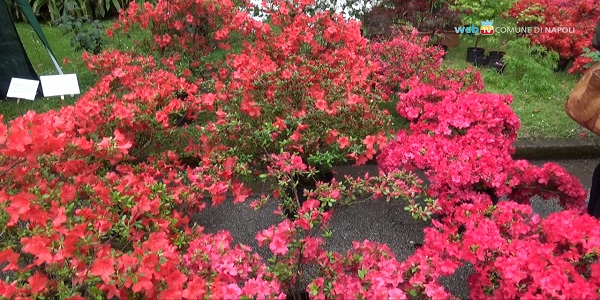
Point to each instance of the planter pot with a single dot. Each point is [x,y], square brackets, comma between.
[473,52]
[299,295]
[562,65]
[496,56]
[423,34]
[305,184]
[481,61]
[498,66]
[449,38]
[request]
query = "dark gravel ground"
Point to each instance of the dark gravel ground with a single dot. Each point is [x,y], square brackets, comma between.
[381,222]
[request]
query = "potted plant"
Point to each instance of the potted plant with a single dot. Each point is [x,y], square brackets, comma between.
[427,27]
[496,61]
[418,13]
[478,11]
[447,20]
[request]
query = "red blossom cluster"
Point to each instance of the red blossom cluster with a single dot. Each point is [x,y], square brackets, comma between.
[282,87]
[96,198]
[579,16]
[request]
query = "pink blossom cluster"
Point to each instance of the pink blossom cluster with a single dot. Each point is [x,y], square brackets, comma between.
[463,141]
[407,60]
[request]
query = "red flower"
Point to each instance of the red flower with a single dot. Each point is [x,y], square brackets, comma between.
[103,268]
[343,141]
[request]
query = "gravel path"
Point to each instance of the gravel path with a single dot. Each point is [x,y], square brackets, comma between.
[381,222]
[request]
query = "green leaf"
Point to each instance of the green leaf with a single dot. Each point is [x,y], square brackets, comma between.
[362,273]
[413,292]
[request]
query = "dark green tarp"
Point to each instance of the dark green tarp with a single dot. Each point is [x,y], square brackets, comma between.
[28,12]
[14,61]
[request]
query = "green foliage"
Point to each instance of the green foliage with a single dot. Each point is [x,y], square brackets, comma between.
[500,38]
[594,55]
[528,16]
[14,10]
[54,10]
[89,35]
[531,66]
[481,9]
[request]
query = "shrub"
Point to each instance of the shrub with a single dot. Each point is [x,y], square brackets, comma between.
[528,63]
[190,32]
[304,89]
[53,10]
[406,60]
[578,16]
[378,23]
[89,35]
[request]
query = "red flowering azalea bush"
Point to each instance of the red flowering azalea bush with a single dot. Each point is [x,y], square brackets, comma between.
[114,229]
[190,31]
[463,142]
[306,89]
[368,271]
[79,221]
[404,57]
[578,17]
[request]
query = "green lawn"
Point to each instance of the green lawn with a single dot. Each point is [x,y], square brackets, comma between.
[542,113]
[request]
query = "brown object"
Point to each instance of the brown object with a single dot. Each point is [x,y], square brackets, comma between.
[583,104]
[423,34]
[449,38]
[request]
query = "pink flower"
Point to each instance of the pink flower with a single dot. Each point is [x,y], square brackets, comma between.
[278,245]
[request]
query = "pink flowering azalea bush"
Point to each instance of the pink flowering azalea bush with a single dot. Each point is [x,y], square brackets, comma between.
[463,142]
[96,198]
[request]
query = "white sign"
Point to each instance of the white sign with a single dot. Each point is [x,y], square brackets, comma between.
[60,85]
[22,88]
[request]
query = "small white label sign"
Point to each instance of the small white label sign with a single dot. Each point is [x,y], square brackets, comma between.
[60,85]
[22,88]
